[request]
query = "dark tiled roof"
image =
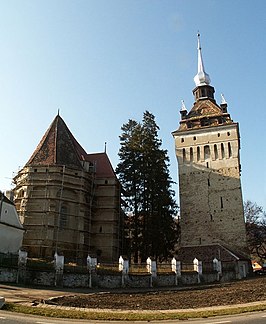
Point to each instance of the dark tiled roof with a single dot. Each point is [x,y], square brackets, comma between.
[205,108]
[204,113]
[207,253]
[58,146]
[102,164]
[5,199]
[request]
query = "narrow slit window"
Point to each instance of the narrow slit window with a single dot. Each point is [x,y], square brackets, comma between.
[229,150]
[191,154]
[198,153]
[184,155]
[209,182]
[222,150]
[215,152]
[222,203]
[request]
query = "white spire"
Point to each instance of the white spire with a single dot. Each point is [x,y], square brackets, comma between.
[223,101]
[201,78]
[183,107]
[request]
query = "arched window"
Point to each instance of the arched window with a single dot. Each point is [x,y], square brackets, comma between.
[198,153]
[206,152]
[21,193]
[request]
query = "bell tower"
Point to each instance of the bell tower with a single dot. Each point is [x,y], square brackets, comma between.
[207,145]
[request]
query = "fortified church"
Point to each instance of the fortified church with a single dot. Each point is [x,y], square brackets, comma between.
[207,145]
[68,200]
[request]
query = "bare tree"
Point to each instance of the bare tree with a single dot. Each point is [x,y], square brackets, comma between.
[256,229]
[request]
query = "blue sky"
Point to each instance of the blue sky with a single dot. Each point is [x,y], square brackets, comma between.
[102,62]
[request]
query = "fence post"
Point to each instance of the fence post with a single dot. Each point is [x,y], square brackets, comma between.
[124,268]
[59,269]
[198,267]
[217,266]
[152,269]
[91,266]
[176,268]
[22,264]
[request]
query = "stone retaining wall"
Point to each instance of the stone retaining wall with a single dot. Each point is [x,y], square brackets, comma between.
[48,278]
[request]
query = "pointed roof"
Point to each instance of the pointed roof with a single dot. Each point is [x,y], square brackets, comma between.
[201,78]
[183,106]
[58,147]
[103,166]
[205,111]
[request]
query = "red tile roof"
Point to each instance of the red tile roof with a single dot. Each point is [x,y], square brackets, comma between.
[103,166]
[58,146]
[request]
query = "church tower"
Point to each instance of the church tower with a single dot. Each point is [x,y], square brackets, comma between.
[207,145]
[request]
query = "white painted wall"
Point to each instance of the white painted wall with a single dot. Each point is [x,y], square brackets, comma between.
[11,230]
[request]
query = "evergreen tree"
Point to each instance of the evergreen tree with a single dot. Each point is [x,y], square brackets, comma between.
[143,172]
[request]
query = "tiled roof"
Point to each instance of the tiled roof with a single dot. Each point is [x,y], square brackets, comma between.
[102,164]
[58,146]
[205,108]
[5,199]
[207,253]
[204,113]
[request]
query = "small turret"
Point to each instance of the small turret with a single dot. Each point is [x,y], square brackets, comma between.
[223,104]
[183,110]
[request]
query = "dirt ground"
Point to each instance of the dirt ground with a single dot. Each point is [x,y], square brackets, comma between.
[238,292]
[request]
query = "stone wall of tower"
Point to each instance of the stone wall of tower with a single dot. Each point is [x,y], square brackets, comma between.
[210,189]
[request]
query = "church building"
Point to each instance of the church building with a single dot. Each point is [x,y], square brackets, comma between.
[68,200]
[207,145]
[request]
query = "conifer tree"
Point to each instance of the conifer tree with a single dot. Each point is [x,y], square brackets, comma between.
[143,173]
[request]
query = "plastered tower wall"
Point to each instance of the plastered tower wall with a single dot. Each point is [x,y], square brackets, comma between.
[209,183]
[207,145]
[53,205]
[106,221]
